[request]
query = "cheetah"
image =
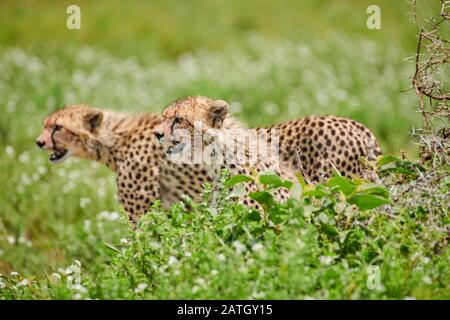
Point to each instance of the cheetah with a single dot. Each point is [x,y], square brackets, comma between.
[220,147]
[124,143]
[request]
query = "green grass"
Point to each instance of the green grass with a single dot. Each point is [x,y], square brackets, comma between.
[272,62]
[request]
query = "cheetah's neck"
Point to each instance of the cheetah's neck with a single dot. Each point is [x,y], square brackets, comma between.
[119,129]
[241,151]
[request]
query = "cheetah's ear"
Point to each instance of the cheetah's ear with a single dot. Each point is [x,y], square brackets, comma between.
[217,112]
[92,120]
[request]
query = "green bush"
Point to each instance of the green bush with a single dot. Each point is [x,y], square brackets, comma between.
[339,239]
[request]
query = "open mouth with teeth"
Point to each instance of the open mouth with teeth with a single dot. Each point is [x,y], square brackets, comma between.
[176,147]
[59,156]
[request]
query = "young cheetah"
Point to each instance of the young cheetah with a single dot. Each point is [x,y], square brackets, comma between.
[240,151]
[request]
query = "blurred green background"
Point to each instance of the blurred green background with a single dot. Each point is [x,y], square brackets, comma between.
[272,60]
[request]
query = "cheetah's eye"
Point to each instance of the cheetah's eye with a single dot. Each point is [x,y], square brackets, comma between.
[176,120]
[57,127]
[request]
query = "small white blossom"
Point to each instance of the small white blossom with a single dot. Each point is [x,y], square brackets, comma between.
[239,247]
[140,287]
[11,240]
[23,283]
[257,247]
[326,260]
[79,288]
[172,260]
[54,278]
[427,280]
[9,151]
[109,216]
[221,257]
[195,289]
[24,157]
[84,202]
[87,225]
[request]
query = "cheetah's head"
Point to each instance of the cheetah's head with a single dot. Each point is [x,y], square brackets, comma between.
[188,118]
[71,131]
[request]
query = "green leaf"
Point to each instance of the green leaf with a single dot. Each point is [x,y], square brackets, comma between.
[329,230]
[254,216]
[373,189]
[270,179]
[387,159]
[315,193]
[239,178]
[262,197]
[399,170]
[367,201]
[274,181]
[275,217]
[344,184]
[112,247]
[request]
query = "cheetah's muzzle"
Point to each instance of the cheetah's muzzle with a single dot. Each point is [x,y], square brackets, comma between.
[177,147]
[59,156]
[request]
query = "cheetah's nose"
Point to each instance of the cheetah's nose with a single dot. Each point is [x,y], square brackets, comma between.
[40,143]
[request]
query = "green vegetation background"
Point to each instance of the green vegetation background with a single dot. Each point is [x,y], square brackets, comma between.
[273,60]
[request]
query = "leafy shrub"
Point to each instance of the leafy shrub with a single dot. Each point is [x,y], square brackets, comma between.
[321,243]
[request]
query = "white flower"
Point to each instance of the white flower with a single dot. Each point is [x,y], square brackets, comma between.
[54,278]
[195,289]
[23,283]
[11,239]
[2,285]
[326,260]
[214,272]
[257,247]
[427,280]
[172,260]
[323,217]
[9,151]
[239,247]
[140,287]
[14,274]
[79,288]
[87,225]
[124,241]
[24,157]
[84,202]
[221,257]
[110,216]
